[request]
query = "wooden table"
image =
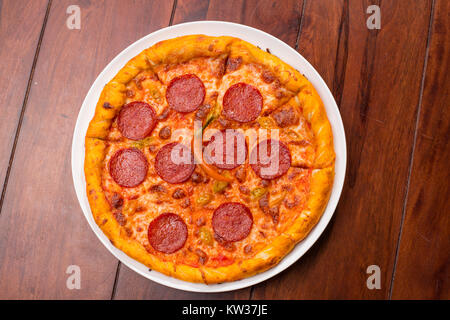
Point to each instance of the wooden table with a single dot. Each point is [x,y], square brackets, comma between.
[392,86]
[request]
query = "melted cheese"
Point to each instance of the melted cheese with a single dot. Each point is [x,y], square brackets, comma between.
[142,204]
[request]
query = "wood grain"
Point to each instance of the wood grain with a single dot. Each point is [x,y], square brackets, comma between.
[324,33]
[278,18]
[42,228]
[20,28]
[423,269]
[376,82]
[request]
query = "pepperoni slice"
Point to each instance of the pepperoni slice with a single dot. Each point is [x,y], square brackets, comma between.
[185,93]
[270,159]
[232,221]
[128,167]
[136,120]
[226,149]
[167,233]
[177,166]
[242,102]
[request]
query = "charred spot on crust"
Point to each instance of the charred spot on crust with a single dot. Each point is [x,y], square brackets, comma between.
[130,93]
[185,203]
[291,203]
[229,246]
[128,231]
[157,188]
[120,217]
[178,193]
[164,114]
[196,177]
[263,203]
[116,201]
[274,212]
[165,133]
[202,256]
[234,63]
[107,105]
[267,76]
[221,69]
[285,117]
[202,112]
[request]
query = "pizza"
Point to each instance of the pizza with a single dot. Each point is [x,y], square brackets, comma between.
[208,159]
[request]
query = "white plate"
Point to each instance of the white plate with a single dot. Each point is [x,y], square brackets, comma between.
[211,28]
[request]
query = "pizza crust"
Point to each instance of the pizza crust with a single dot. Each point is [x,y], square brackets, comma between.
[179,50]
[288,76]
[320,190]
[314,112]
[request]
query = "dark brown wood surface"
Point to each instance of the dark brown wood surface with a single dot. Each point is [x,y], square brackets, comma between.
[18,49]
[391,86]
[380,85]
[42,228]
[423,266]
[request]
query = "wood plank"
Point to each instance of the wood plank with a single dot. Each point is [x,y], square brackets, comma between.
[17,51]
[132,286]
[377,83]
[42,228]
[278,18]
[423,268]
[324,34]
